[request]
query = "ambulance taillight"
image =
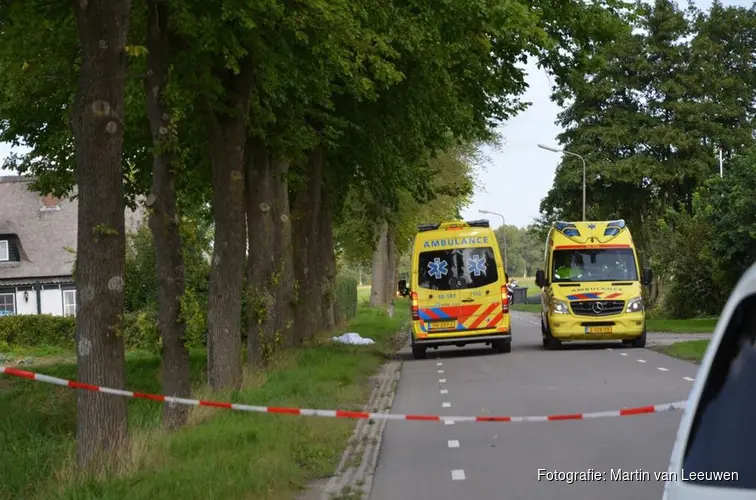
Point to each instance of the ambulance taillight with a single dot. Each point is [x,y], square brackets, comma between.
[504,300]
[415,309]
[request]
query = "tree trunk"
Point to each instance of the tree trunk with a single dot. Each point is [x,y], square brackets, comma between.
[305,211]
[261,260]
[164,221]
[227,134]
[325,263]
[391,265]
[284,252]
[380,263]
[98,127]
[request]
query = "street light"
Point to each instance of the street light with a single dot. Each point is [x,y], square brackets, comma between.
[504,231]
[555,150]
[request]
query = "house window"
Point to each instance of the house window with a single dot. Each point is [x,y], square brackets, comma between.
[4,250]
[69,302]
[7,304]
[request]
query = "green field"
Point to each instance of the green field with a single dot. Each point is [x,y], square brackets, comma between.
[363,294]
[221,454]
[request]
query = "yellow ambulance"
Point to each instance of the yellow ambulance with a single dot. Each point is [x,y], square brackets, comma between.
[594,287]
[458,291]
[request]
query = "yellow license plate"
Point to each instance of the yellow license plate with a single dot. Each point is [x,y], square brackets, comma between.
[442,325]
[598,329]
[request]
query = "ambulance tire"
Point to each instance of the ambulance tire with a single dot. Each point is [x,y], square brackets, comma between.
[418,352]
[503,346]
[549,342]
[640,342]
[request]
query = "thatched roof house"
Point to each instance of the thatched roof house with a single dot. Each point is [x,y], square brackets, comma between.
[38,249]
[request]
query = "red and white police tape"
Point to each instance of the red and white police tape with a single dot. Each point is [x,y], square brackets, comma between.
[626,412]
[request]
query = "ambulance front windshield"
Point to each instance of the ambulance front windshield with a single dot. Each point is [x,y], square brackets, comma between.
[457,268]
[580,265]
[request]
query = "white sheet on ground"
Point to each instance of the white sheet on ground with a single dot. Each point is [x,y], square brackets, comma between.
[353,338]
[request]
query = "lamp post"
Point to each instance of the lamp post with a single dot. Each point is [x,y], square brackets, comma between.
[504,231]
[555,150]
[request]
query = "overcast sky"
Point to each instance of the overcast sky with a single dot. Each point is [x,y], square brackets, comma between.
[519,174]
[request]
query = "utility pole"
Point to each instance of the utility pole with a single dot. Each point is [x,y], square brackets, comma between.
[721,169]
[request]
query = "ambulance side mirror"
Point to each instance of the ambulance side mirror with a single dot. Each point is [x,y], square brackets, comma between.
[540,279]
[648,277]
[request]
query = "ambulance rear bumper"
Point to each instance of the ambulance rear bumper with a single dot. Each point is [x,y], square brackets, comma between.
[461,340]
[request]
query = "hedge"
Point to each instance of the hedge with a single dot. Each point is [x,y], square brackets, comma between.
[43,330]
[140,328]
[46,330]
[345,305]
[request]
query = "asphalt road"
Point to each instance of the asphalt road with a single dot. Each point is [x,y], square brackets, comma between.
[501,461]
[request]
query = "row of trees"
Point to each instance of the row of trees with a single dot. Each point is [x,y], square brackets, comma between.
[650,117]
[289,119]
[525,249]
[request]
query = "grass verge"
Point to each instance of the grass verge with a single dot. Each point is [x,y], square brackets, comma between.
[696,325]
[691,350]
[221,454]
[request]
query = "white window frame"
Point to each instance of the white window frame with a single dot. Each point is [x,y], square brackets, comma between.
[4,250]
[68,304]
[13,301]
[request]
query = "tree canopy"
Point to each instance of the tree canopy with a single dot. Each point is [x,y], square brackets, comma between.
[305,127]
[650,119]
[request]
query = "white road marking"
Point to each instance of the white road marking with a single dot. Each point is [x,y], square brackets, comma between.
[448,422]
[440,371]
[661,369]
[442,381]
[453,443]
[623,354]
[439,363]
[609,349]
[444,391]
[458,475]
[640,360]
[446,404]
[688,379]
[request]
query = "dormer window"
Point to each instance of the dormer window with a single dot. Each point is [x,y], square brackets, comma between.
[50,202]
[4,251]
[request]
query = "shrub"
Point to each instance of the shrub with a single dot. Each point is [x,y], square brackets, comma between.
[345,306]
[39,330]
[139,329]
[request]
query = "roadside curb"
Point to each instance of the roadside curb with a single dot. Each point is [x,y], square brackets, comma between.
[354,475]
[665,339]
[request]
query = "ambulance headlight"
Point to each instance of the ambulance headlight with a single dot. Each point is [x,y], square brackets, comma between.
[559,307]
[634,305]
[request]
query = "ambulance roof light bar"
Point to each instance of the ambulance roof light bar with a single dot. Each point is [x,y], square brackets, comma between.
[455,224]
[567,228]
[614,227]
[479,223]
[427,227]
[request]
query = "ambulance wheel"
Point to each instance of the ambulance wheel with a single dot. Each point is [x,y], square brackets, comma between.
[502,346]
[418,352]
[549,342]
[640,342]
